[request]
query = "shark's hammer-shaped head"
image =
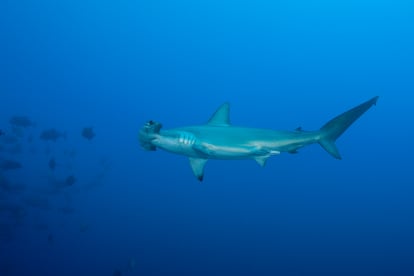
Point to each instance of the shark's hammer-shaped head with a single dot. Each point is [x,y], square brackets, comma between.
[147,133]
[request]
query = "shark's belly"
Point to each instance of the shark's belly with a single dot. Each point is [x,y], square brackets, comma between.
[232,146]
[226,152]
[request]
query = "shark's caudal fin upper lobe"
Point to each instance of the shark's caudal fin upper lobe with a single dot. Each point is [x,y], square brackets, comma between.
[335,127]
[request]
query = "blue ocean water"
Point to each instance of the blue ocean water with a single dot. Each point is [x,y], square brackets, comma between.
[107,207]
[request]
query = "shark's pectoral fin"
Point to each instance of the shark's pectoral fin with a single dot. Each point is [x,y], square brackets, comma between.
[197,165]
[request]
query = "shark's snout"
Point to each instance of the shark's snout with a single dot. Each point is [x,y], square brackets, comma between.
[148,133]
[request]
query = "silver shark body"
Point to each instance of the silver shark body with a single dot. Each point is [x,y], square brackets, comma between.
[218,139]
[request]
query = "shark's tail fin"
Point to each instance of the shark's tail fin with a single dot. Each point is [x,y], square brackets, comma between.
[335,127]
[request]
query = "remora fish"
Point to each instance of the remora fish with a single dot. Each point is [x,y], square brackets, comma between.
[218,139]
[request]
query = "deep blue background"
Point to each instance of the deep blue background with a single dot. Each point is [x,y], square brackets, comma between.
[281,64]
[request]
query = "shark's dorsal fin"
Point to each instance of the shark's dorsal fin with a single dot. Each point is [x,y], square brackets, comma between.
[197,165]
[221,116]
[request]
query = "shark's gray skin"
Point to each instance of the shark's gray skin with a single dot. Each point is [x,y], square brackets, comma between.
[218,139]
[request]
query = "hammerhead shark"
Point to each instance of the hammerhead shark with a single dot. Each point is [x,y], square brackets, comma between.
[219,139]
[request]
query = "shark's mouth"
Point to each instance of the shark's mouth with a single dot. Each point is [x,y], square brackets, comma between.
[148,133]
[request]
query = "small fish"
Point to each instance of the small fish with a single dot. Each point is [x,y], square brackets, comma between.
[70,180]
[9,187]
[83,227]
[88,133]
[52,135]
[66,210]
[52,164]
[37,202]
[51,238]
[8,139]
[21,121]
[57,184]
[30,138]
[41,226]
[8,164]
[13,209]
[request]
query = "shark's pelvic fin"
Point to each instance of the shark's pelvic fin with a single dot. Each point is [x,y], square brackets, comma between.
[221,117]
[261,160]
[197,165]
[266,153]
[335,127]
